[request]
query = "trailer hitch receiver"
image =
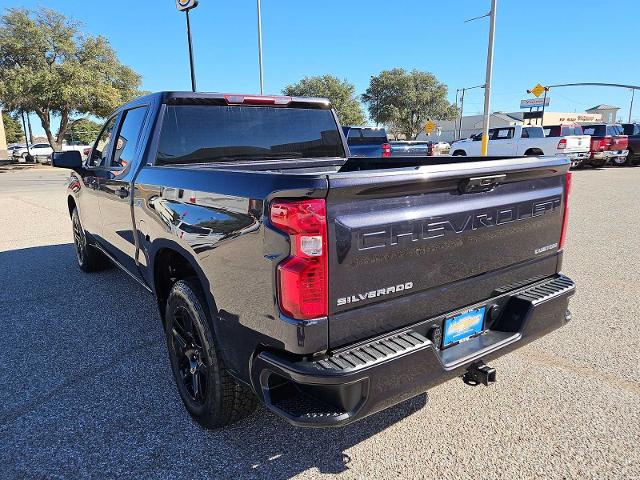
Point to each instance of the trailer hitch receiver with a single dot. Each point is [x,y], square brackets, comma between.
[479,373]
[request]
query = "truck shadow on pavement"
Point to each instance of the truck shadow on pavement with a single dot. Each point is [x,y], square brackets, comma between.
[86,389]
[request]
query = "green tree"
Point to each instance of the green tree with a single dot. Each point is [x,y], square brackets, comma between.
[49,67]
[12,129]
[407,100]
[82,130]
[339,92]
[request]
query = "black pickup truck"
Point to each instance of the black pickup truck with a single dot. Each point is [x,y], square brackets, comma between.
[327,287]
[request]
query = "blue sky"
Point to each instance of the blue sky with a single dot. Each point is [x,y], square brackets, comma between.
[544,41]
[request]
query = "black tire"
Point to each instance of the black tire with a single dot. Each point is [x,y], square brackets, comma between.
[533,152]
[210,394]
[459,153]
[89,258]
[622,163]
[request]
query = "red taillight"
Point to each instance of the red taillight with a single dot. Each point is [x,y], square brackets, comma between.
[600,144]
[232,98]
[562,144]
[302,277]
[621,142]
[386,150]
[565,217]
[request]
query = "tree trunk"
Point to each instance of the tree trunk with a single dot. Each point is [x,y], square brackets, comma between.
[45,119]
[64,123]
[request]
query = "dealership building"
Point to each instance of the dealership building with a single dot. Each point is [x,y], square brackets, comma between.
[471,124]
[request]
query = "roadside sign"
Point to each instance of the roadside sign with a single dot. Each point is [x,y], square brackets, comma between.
[182,5]
[537,90]
[428,127]
[534,102]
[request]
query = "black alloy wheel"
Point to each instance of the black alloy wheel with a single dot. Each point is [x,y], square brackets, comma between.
[79,239]
[190,355]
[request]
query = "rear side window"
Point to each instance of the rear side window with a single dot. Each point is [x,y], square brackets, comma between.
[533,132]
[220,133]
[128,137]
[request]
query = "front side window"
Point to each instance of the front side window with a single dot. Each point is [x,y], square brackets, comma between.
[128,137]
[503,134]
[221,133]
[100,148]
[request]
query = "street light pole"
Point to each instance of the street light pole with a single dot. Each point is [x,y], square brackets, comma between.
[193,73]
[260,48]
[633,92]
[487,83]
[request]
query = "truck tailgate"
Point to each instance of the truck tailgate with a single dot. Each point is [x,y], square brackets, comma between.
[410,243]
[577,143]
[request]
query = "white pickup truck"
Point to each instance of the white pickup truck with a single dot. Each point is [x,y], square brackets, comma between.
[519,140]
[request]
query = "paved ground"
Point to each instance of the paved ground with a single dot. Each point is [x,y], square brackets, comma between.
[86,389]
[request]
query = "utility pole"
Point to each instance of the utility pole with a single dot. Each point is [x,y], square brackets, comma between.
[633,92]
[458,117]
[260,48]
[487,83]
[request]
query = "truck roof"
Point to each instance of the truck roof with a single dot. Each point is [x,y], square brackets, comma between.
[216,98]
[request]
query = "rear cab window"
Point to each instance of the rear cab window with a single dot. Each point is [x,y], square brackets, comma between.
[219,133]
[366,136]
[594,130]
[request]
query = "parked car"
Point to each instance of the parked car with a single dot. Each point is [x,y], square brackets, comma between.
[573,141]
[41,152]
[328,287]
[524,140]
[419,148]
[608,144]
[37,150]
[367,141]
[632,131]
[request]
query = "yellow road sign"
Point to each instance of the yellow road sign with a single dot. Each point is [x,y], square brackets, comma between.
[537,90]
[428,127]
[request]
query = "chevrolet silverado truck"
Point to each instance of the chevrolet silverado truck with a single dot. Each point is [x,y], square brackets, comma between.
[526,140]
[324,286]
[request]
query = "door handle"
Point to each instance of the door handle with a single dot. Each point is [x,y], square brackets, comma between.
[122,192]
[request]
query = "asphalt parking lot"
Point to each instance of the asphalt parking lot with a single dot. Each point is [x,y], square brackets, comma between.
[86,388]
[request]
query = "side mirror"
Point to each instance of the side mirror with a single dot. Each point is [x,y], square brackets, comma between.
[69,159]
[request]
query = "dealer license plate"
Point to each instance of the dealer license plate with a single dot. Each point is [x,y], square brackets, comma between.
[463,326]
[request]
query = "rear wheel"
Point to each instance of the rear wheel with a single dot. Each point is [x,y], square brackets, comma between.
[533,151]
[209,393]
[620,161]
[459,153]
[89,258]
